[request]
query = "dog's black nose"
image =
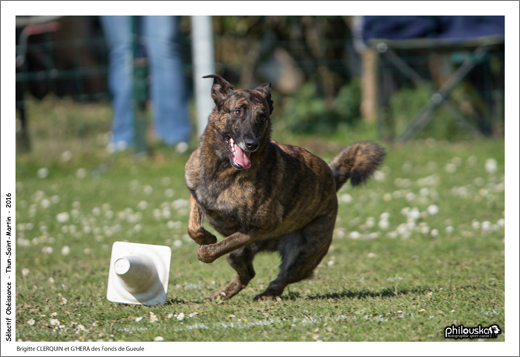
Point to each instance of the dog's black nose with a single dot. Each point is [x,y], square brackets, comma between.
[251,144]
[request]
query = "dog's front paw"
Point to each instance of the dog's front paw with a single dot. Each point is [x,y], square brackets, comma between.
[208,239]
[202,237]
[204,254]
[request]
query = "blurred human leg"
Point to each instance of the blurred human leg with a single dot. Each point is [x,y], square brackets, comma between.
[167,87]
[118,34]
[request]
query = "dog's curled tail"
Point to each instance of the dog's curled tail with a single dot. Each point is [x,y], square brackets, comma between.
[357,162]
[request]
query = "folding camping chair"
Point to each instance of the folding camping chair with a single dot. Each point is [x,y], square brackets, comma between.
[473,50]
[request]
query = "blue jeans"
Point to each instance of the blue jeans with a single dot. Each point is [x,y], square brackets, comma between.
[160,37]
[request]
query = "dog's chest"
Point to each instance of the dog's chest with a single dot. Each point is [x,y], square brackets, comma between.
[227,205]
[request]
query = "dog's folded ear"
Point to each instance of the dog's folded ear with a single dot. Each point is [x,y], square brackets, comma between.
[220,89]
[265,90]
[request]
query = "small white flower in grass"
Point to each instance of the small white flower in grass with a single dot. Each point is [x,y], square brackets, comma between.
[87,251]
[355,235]
[153,318]
[45,203]
[81,173]
[181,147]
[371,255]
[410,196]
[54,322]
[433,210]
[43,173]
[379,176]
[393,234]
[166,181]
[54,314]
[25,271]
[486,226]
[166,213]
[176,224]
[193,314]
[158,339]
[449,229]
[425,191]
[157,213]
[169,192]
[65,250]
[479,181]
[80,328]
[491,166]
[31,322]
[383,224]
[47,250]
[373,235]
[475,224]
[450,168]
[148,190]
[62,217]
[66,156]
[501,222]
[413,214]
[472,160]
[180,317]
[177,243]
[95,324]
[339,232]
[169,316]
[142,205]
[434,232]
[121,145]
[387,197]
[138,319]
[180,203]
[457,160]
[63,301]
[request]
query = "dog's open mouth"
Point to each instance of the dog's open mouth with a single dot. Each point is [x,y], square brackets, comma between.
[239,158]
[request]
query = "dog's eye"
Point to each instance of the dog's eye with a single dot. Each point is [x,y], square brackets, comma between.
[238,112]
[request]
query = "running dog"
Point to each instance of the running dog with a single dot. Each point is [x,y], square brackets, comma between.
[263,195]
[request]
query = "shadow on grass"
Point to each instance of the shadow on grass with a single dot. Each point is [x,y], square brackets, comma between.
[356,294]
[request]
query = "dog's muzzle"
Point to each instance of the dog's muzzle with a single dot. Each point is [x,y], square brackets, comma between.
[240,159]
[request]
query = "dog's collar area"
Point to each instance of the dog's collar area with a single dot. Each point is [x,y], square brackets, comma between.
[239,158]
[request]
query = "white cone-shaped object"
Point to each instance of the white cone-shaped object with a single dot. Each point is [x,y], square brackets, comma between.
[138,273]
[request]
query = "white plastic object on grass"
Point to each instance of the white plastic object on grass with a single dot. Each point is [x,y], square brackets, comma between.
[139,273]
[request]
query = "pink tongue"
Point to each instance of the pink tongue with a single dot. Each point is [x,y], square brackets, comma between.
[242,158]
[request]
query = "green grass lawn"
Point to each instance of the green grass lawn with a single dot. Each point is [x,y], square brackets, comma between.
[419,248]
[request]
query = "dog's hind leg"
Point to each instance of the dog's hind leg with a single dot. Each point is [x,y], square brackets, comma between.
[301,253]
[242,261]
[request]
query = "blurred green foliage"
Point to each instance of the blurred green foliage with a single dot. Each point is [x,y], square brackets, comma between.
[307,112]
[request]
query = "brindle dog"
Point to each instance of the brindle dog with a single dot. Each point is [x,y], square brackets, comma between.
[263,195]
